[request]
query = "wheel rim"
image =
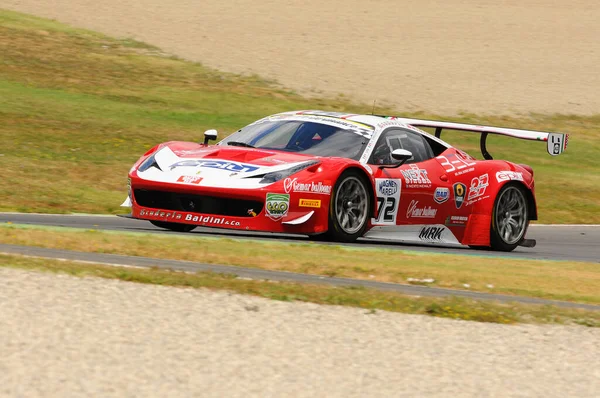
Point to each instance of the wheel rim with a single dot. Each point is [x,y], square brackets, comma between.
[351,205]
[511,215]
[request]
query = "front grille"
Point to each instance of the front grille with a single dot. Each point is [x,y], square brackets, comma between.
[197,203]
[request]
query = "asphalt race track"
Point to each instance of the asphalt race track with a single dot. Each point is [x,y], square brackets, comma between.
[554,242]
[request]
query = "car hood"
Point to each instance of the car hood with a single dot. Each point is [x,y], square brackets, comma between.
[219,167]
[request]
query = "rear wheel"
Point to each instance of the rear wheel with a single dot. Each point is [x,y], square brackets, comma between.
[172,226]
[349,208]
[510,218]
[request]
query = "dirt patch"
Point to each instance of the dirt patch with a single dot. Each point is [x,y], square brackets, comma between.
[483,56]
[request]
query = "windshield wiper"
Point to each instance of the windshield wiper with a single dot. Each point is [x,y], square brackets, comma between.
[239,143]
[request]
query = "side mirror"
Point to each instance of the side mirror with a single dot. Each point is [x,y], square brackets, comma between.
[402,155]
[209,135]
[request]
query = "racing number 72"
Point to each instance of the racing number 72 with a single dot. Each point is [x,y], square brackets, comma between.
[386,209]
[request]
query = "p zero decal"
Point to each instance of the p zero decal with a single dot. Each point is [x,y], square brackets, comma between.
[460,191]
[388,198]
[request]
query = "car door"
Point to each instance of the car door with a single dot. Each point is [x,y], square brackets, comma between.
[414,193]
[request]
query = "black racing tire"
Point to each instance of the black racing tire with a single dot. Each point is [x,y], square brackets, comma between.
[173,226]
[324,237]
[349,208]
[510,218]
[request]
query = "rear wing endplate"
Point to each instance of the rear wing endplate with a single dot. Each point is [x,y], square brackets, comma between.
[556,142]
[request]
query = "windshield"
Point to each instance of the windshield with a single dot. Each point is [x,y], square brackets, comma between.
[300,137]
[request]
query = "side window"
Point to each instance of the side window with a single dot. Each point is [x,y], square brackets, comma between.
[392,139]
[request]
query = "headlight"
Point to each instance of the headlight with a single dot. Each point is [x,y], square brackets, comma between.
[150,162]
[275,176]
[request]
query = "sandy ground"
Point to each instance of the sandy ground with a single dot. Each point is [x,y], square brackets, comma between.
[68,337]
[480,56]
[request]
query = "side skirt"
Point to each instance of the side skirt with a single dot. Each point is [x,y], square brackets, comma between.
[435,234]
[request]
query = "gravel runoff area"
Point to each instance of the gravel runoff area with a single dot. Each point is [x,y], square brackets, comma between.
[66,336]
[480,56]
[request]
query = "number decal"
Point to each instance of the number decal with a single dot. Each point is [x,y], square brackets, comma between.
[388,198]
[478,186]
[386,209]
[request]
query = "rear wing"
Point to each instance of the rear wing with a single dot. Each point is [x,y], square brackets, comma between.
[556,142]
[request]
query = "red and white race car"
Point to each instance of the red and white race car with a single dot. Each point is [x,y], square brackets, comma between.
[339,177]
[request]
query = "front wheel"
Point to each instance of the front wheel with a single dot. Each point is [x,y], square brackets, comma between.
[509,218]
[349,208]
[173,226]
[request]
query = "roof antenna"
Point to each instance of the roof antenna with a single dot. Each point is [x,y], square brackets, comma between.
[373,111]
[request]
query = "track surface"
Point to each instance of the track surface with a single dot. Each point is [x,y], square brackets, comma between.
[554,242]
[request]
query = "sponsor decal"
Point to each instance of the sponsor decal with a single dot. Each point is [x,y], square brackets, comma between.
[388,198]
[470,169]
[460,191]
[292,185]
[277,205]
[441,195]
[174,216]
[316,203]
[387,187]
[415,177]
[458,163]
[288,184]
[478,186]
[431,234]
[389,122]
[367,151]
[413,211]
[509,176]
[189,179]
[477,199]
[333,118]
[211,220]
[216,164]
[165,215]
[457,221]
